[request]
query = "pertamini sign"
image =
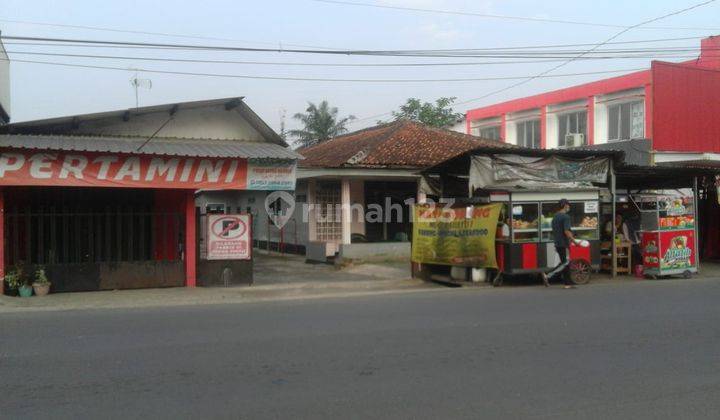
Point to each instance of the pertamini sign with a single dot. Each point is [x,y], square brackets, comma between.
[455,236]
[228,237]
[142,171]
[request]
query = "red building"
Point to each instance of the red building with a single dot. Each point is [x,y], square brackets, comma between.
[673,107]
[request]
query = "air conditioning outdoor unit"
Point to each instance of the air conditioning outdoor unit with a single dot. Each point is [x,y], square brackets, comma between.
[574,139]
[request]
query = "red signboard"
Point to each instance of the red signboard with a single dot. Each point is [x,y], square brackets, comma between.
[669,250]
[22,168]
[228,237]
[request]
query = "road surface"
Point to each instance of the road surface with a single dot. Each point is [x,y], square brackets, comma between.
[632,350]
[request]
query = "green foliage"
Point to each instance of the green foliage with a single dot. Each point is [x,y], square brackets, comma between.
[40,276]
[439,114]
[320,123]
[15,277]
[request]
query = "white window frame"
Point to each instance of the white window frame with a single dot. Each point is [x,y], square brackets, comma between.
[530,121]
[618,105]
[561,136]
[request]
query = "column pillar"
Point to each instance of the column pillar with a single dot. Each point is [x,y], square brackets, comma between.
[311,210]
[648,111]
[190,240]
[345,202]
[2,241]
[543,127]
[591,120]
[503,122]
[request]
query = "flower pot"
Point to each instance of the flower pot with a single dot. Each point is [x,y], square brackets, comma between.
[11,292]
[25,290]
[41,289]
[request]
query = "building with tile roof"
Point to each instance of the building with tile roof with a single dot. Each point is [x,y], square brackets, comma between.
[369,169]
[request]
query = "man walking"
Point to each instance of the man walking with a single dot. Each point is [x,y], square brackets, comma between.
[563,236]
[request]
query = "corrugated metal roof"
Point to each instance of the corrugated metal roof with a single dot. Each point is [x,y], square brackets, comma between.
[156,146]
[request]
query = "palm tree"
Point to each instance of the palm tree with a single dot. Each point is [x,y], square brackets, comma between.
[320,123]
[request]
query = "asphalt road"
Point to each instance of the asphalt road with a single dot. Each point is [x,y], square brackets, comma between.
[633,350]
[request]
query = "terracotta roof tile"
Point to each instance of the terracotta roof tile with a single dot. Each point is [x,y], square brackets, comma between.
[403,144]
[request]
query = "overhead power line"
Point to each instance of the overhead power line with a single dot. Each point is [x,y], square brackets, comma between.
[138,32]
[545,73]
[391,53]
[503,17]
[305,64]
[202,47]
[312,79]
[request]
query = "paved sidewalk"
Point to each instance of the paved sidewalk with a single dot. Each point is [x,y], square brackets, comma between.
[276,278]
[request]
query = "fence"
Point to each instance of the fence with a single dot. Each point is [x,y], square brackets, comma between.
[47,235]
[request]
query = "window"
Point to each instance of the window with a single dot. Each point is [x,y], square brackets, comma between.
[626,121]
[528,133]
[572,123]
[490,133]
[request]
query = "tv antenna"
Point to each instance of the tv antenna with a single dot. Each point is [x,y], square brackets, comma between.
[136,83]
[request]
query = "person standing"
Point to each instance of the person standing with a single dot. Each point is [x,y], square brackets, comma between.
[562,236]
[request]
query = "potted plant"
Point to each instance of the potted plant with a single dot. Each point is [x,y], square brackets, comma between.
[13,280]
[41,285]
[24,287]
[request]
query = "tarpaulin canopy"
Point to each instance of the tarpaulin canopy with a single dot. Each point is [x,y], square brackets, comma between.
[534,172]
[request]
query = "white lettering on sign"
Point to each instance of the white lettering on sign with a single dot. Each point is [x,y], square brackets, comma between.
[141,171]
[105,162]
[11,162]
[73,164]
[161,167]
[186,170]
[206,168]
[231,171]
[40,166]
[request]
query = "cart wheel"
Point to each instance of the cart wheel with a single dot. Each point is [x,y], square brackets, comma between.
[580,271]
[687,274]
[497,281]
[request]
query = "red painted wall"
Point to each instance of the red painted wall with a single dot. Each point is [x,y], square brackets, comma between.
[614,84]
[686,103]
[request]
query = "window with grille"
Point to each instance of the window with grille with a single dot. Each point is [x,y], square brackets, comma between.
[626,121]
[572,123]
[328,224]
[528,133]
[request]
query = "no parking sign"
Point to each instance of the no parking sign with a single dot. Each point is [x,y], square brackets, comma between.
[228,237]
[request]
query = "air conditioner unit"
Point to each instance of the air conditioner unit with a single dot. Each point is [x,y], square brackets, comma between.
[574,139]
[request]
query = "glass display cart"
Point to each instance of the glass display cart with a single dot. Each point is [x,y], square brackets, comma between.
[668,233]
[530,246]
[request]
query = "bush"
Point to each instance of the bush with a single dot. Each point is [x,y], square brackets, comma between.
[41,277]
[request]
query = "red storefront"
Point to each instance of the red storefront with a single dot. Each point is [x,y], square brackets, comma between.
[102,214]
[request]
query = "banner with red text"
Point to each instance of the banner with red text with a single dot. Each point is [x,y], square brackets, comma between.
[22,168]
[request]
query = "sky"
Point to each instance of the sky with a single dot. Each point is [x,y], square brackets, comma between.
[43,91]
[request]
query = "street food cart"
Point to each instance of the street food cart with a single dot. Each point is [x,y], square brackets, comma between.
[529,247]
[668,232]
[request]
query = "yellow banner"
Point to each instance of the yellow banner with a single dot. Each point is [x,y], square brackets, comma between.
[450,237]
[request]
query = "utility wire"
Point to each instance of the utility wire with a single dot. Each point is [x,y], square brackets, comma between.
[504,17]
[393,53]
[305,64]
[58,44]
[165,34]
[311,79]
[545,73]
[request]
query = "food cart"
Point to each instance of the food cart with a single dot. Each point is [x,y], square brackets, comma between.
[668,232]
[529,247]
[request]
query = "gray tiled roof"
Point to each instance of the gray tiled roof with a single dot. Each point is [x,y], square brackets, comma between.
[156,146]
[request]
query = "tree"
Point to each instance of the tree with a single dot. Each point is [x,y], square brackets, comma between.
[320,123]
[439,114]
